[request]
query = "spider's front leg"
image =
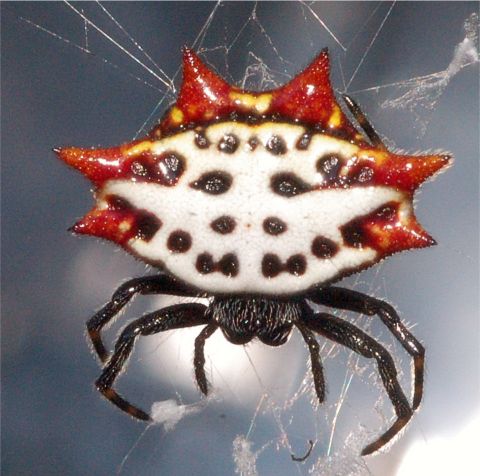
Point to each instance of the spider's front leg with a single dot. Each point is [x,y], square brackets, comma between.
[173,317]
[160,284]
[341,298]
[350,336]
[364,122]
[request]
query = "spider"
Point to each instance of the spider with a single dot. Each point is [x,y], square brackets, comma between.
[258,201]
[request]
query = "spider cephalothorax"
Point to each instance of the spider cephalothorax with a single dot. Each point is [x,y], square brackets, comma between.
[257,200]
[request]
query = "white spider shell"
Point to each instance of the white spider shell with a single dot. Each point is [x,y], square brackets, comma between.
[249,201]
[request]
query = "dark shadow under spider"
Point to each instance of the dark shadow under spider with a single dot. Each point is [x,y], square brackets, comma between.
[242,318]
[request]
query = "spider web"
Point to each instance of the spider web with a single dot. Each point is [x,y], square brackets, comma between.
[270,391]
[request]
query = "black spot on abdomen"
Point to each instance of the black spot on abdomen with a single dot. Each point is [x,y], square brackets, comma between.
[205,263]
[228,264]
[228,144]
[287,184]
[272,265]
[223,225]
[364,176]
[147,225]
[276,145]
[213,183]
[179,241]
[274,226]
[353,234]
[296,265]
[165,169]
[329,166]
[323,247]
[201,140]
[304,141]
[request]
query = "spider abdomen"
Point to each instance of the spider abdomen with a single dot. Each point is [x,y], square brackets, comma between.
[252,208]
[273,193]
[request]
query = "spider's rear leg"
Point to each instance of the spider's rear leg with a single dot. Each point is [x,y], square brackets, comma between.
[160,284]
[347,334]
[173,317]
[341,298]
[199,357]
[315,361]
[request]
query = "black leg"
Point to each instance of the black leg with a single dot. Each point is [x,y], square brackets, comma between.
[301,459]
[364,122]
[316,363]
[146,285]
[347,334]
[173,317]
[349,300]
[199,357]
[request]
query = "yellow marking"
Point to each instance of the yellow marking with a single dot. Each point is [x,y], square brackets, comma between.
[102,204]
[335,118]
[350,163]
[124,226]
[208,114]
[383,235]
[176,115]
[259,103]
[405,213]
[344,170]
[379,157]
[137,149]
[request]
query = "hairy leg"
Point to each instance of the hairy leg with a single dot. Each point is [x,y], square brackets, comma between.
[350,336]
[160,284]
[173,317]
[316,363]
[199,357]
[341,298]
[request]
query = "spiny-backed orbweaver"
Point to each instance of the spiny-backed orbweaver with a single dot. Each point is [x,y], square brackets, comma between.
[257,201]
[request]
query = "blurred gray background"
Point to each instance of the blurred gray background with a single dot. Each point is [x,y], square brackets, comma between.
[78,88]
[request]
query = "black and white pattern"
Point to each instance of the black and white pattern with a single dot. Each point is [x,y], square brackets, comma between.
[251,203]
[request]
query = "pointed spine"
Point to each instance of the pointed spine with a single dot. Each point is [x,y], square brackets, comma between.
[389,229]
[117,220]
[203,95]
[403,172]
[308,98]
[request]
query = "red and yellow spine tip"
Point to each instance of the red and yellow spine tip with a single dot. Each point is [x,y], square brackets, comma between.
[204,96]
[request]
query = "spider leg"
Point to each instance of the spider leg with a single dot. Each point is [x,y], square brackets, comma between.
[199,356]
[350,336]
[357,113]
[173,317]
[349,300]
[315,361]
[145,285]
